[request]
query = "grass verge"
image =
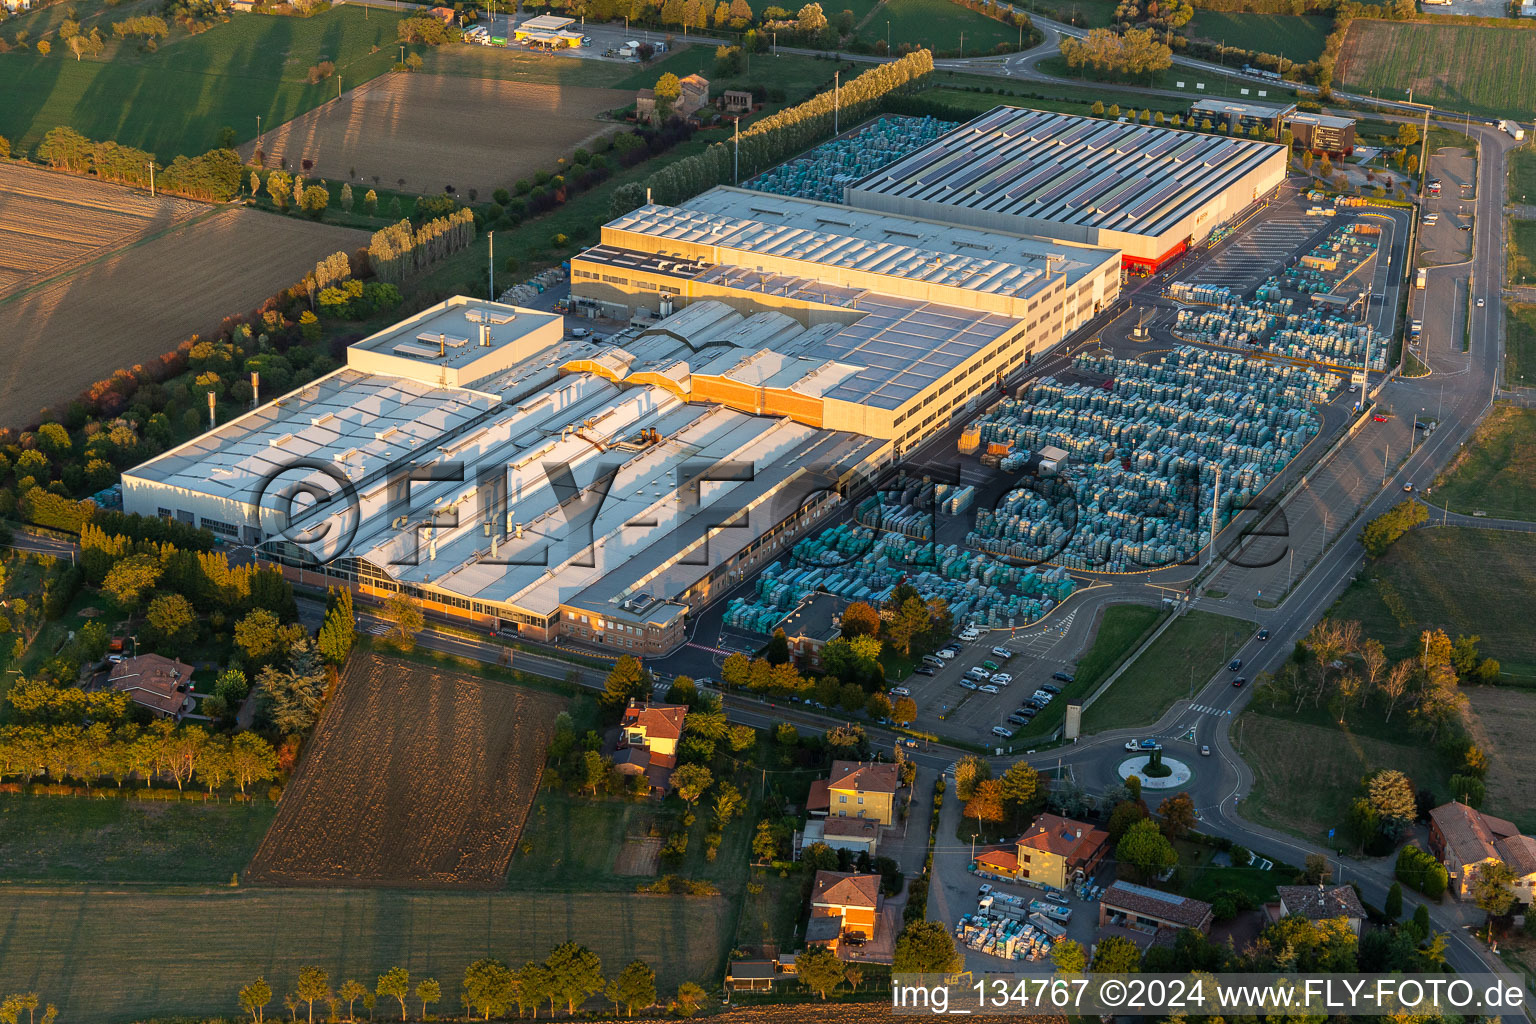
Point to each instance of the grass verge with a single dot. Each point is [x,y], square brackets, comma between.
[1496,472]
[1519,343]
[1189,652]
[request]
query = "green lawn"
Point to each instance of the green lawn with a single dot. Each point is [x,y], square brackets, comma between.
[1203,879]
[1214,85]
[1522,251]
[773,914]
[1476,582]
[65,839]
[1122,627]
[1299,37]
[1522,173]
[939,25]
[1496,473]
[1389,57]
[1306,774]
[1188,653]
[1520,342]
[178,98]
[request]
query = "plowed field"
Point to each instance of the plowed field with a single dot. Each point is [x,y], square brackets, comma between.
[415,777]
[144,298]
[422,133]
[48,220]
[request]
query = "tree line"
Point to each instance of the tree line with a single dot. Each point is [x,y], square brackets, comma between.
[399,251]
[215,176]
[1135,51]
[564,980]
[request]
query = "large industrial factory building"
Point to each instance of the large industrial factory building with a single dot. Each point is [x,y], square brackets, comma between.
[481,459]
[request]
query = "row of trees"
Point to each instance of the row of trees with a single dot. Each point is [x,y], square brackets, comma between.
[400,251]
[215,176]
[565,979]
[89,754]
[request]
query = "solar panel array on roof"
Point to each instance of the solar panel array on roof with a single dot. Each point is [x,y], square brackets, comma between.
[1033,164]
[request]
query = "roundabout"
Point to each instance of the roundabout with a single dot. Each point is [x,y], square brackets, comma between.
[1177,777]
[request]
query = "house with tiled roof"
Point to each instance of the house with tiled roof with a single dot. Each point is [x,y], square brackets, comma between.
[848,916]
[1463,838]
[857,789]
[1054,852]
[1319,903]
[648,738]
[161,684]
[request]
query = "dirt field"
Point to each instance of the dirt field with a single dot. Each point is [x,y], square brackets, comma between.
[49,220]
[83,948]
[640,855]
[420,133]
[1504,723]
[415,776]
[146,299]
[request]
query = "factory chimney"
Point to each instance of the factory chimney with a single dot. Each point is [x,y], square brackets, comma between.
[255,389]
[212,404]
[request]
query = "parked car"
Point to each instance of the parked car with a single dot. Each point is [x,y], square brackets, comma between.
[1002,652]
[925,670]
[1061,676]
[977,672]
[1002,678]
[933,659]
[1408,487]
[1003,731]
[989,665]
[969,684]
[946,655]
[988,688]
[900,691]
[1235,664]
[1026,712]
[1050,688]
[1018,719]
[1150,744]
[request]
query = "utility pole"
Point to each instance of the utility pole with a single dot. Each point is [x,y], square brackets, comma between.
[1215,514]
[258,130]
[1384,453]
[736,155]
[491,237]
[151,179]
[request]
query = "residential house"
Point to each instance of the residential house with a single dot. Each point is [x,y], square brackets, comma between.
[445,15]
[163,685]
[695,94]
[1319,903]
[648,737]
[814,623]
[1147,910]
[736,101]
[244,6]
[752,975]
[857,790]
[16,6]
[1054,852]
[1462,839]
[848,916]
[858,835]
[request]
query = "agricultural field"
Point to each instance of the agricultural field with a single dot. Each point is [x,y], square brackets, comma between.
[425,133]
[83,949]
[1522,252]
[1522,173]
[112,311]
[73,839]
[1178,663]
[1299,37]
[415,776]
[1391,57]
[1496,473]
[1502,723]
[939,25]
[176,99]
[1473,582]
[51,220]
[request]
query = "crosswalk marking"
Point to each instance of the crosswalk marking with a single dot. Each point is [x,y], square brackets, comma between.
[377,628]
[1204,710]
